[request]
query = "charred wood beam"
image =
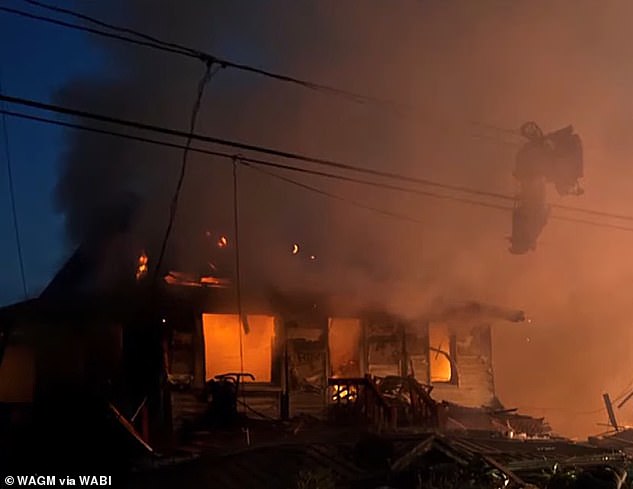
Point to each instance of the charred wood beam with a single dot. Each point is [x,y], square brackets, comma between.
[610,412]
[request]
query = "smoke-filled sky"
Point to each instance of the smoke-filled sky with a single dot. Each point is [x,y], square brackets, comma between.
[453,63]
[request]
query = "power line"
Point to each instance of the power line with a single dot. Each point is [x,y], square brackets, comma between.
[241,323]
[381,185]
[248,147]
[146,40]
[98,22]
[282,166]
[208,73]
[289,155]
[156,43]
[16,227]
[62,23]
[174,48]
[254,161]
[334,196]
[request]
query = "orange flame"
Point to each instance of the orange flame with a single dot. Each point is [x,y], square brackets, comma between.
[141,268]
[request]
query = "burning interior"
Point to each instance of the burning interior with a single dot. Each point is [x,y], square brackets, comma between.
[229,349]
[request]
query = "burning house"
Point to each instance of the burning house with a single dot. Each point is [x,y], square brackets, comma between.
[149,354]
[304,355]
[121,366]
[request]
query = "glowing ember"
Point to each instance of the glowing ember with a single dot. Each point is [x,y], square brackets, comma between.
[344,393]
[141,268]
[295,249]
[223,242]
[312,257]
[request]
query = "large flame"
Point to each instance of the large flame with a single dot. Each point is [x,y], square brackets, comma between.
[222,334]
[439,341]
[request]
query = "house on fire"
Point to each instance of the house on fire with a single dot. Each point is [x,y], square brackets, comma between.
[296,348]
[147,352]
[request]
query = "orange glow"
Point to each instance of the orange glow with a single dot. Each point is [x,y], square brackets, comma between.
[141,268]
[222,345]
[439,339]
[223,242]
[343,341]
[295,249]
[344,393]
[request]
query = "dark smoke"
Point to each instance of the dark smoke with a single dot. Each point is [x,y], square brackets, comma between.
[556,62]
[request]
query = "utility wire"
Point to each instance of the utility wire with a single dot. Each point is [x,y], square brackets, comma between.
[208,74]
[308,171]
[253,161]
[145,40]
[16,227]
[156,43]
[113,27]
[69,25]
[334,196]
[241,324]
[273,164]
[248,147]
[290,155]
[152,42]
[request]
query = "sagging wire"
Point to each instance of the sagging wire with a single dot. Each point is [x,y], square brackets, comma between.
[274,163]
[139,38]
[325,193]
[16,227]
[202,84]
[242,324]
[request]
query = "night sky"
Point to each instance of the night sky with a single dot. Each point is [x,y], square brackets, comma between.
[36,60]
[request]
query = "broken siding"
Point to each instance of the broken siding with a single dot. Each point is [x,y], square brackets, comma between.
[307,369]
[418,355]
[385,347]
[186,374]
[474,370]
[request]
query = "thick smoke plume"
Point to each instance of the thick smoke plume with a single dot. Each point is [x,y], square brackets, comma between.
[457,62]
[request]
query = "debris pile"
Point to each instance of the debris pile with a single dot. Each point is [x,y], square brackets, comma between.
[493,462]
[506,421]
